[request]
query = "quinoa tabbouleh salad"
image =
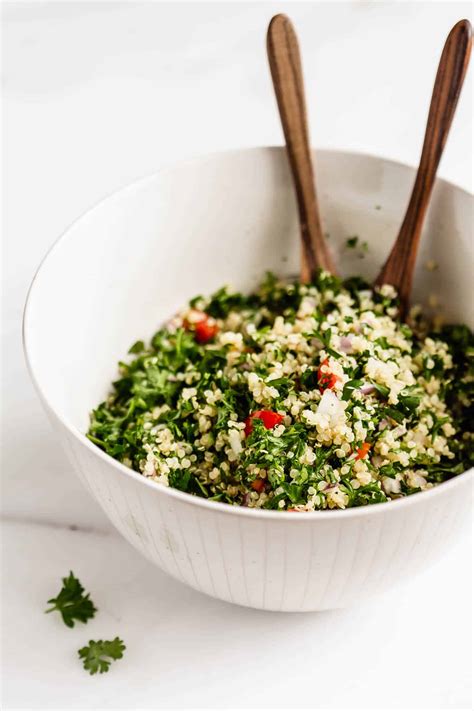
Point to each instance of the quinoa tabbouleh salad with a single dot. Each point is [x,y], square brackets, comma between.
[298,397]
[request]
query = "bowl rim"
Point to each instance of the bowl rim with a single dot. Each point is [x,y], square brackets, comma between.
[181,496]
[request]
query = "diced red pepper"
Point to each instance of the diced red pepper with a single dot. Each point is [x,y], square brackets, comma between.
[258,485]
[326,380]
[269,419]
[363,451]
[205,331]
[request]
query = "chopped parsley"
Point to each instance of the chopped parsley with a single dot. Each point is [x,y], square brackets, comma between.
[351,242]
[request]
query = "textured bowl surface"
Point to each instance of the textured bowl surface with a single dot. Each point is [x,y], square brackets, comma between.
[127,264]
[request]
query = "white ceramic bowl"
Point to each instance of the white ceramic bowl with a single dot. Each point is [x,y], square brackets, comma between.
[127,264]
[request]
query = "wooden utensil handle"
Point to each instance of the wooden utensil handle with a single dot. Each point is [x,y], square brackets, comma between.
[399,267]
[287,75]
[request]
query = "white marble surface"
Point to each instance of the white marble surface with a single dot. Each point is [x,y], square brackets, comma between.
[96,95]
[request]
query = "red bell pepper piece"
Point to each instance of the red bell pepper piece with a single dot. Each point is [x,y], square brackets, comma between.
[363,451]
[269,419]
[326,380]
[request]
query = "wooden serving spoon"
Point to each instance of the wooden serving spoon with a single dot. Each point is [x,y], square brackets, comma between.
[287,75]
[399,268]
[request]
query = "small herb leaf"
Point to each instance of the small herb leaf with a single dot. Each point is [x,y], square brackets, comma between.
[72,603]
[97,656]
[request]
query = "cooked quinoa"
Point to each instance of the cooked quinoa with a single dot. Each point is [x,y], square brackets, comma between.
[296,397]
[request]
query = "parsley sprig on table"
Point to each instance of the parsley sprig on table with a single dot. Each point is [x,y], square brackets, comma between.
[72,603]
[97,656]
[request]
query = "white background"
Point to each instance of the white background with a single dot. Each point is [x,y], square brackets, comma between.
[94,96]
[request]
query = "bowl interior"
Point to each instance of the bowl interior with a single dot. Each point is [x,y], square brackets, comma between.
[129,263]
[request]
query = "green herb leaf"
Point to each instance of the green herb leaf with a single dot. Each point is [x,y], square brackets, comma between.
[97,656]
[394,414]
[409,402]
[72,603]
[138,347]
[349,388]
[381,389]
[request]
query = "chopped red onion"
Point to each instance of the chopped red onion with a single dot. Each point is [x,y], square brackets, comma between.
[377,460]
[345,344]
